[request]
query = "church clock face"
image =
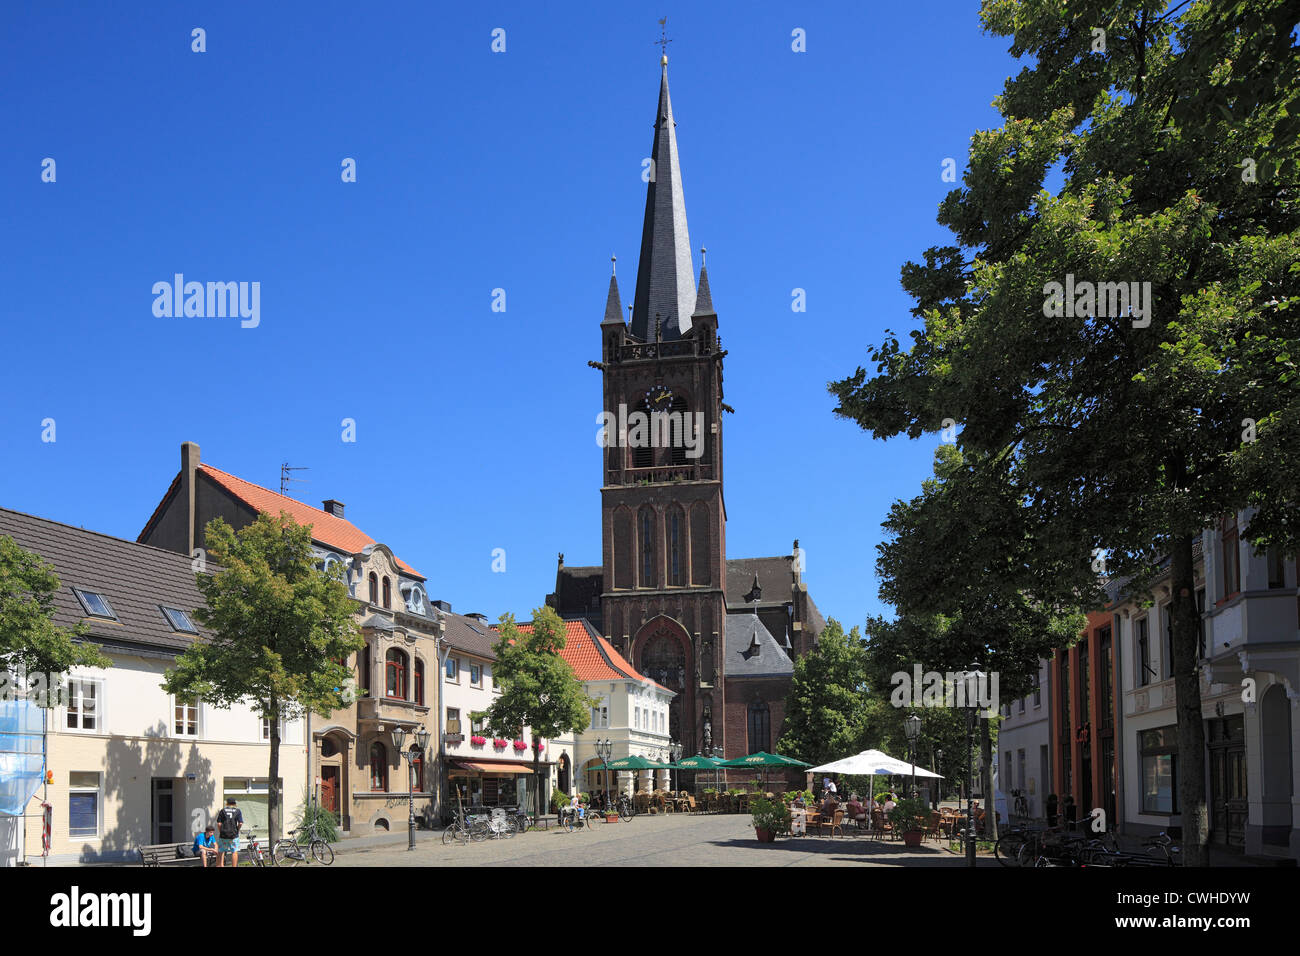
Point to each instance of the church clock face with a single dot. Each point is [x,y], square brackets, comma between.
[659,398]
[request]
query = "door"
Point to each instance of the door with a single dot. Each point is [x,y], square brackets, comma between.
[1227,744]
[164,830]
[329,789]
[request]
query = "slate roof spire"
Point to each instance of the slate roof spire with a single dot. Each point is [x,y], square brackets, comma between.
[665,275]
[613,304]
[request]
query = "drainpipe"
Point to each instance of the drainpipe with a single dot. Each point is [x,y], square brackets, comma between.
[1117,655]
[443,651]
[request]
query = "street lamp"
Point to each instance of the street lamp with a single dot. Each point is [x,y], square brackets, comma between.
[415,753]
[675,751]
[972,679]
[912,727]
[938,768]
[605,750]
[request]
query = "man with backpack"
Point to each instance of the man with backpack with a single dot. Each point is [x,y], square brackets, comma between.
[229,822]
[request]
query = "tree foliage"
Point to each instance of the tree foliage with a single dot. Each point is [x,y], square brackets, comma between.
[30,642]
[538,688]
[824,713]
[279,627]
[1174,131]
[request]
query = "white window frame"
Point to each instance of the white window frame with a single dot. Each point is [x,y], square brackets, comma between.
[198,720]
[98,684]
[472,681]
[98,791]
[456,663]
[266,729]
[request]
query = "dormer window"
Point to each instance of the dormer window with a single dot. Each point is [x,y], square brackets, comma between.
[179,620]
[415,599]
[95,604]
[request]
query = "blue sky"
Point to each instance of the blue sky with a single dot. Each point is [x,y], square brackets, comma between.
[475,171]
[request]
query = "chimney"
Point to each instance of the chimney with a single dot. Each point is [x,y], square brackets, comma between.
[189,482]
[443,606]
[333,507]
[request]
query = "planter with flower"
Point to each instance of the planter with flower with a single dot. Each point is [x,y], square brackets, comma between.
[500,744]
[908,817]
[477,741]
[520,746]
[769,818]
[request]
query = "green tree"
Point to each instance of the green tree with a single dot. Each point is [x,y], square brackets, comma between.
[32,646]
[538,687]
[824,708]
[1174,131]
[279,628]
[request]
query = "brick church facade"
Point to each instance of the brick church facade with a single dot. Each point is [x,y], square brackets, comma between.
[721,633]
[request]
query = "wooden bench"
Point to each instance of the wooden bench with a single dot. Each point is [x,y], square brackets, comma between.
[168,854]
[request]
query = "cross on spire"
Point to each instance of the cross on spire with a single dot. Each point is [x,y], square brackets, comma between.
[663,40]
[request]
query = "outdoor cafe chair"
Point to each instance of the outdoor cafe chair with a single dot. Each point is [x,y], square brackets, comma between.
[835,823]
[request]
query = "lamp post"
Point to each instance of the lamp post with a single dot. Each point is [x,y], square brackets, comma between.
[675,751]
[971,679]
[605,750]
[938,768]
[415,753]
[912,727]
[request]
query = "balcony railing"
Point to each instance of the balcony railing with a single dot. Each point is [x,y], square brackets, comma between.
[656,350]
[664,473]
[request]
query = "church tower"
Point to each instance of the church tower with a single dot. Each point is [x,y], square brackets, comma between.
[663,518]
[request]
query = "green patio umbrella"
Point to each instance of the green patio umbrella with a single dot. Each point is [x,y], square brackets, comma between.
[762,760]
[700,762]
[636,763]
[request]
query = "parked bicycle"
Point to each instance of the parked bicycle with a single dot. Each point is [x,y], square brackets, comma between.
[254,853]
[295,847]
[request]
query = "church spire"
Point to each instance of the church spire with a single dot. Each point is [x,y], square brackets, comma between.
[703,298]
[665,275]
[613,304]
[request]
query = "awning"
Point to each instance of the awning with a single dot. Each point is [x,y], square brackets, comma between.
[503,769]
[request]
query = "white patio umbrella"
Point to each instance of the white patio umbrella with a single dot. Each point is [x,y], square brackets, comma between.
[873,762]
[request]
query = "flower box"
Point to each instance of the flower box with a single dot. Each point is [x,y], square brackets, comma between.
[520,746]
[499,743]
[478,741]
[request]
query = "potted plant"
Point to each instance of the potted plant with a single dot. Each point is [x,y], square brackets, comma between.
[477,741]
[908,817]
[769,818]
[500,744]
[520,746]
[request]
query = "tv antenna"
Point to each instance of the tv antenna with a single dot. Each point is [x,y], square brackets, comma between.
[286,479]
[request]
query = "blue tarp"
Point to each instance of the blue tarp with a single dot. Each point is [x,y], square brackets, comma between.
[22,754]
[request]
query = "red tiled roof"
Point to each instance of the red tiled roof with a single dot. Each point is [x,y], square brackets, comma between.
[328,529]
[592,657]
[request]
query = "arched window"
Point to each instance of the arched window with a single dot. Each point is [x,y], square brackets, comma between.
[374,588]
[760,727]
[378,767]
[364,675]
[419,682]
[647,525]
[676,548]
[388,592]
[417,764]
[643,454]
[395,675]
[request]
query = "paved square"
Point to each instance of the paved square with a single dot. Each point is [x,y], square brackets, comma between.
[671,840]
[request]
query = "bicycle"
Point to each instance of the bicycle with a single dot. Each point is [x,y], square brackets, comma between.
[576,818]
[1020,806]
[499,826]
[288,851]
[255,855]
[457,831]
[626,808]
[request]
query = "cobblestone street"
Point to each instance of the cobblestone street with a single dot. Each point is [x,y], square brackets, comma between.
[672,840]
